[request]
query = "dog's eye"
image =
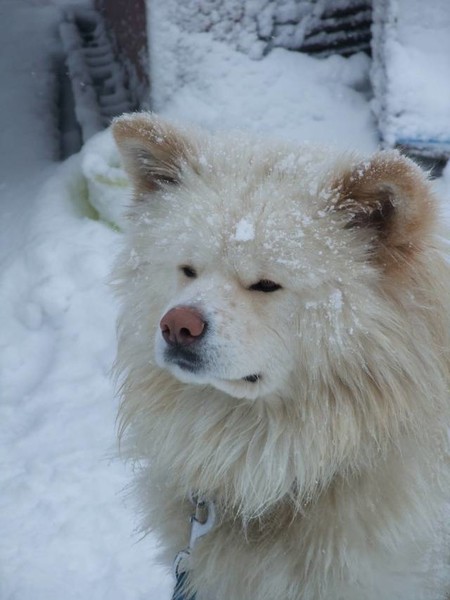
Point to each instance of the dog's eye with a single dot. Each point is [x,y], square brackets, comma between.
[265,285]
[188,271]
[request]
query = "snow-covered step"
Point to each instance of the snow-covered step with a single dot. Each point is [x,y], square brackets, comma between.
[98,79]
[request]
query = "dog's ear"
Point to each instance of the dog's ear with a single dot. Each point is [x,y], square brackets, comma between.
[389,197]
[154,153]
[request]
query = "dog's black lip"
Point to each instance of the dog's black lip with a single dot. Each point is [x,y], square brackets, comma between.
[252,378]
[184,358]
[186,366]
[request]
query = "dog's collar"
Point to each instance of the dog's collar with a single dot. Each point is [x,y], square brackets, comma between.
[203,520]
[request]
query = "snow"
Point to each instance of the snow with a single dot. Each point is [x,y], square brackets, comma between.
[256,26]
[287,94]
[68,525]
[411,72]
[245,231]
[336,300]
[108,187]
[88,115]
[98,79]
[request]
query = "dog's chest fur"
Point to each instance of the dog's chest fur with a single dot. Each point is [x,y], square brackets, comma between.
[341,548]
[365,537]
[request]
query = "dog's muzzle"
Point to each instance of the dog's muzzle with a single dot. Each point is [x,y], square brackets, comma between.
[182,328]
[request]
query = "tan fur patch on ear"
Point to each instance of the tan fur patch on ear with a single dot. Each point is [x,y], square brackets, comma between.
[153,152]
[389,195]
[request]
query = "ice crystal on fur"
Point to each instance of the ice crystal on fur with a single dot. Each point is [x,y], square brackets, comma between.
[245,231]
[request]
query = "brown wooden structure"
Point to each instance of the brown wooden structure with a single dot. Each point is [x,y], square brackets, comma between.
[126,22]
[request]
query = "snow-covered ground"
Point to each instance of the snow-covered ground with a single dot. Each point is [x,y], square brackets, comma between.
[65,528]
[65,520]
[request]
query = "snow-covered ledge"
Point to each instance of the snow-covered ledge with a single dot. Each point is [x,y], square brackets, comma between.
[411,75]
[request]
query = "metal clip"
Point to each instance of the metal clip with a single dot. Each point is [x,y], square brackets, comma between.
[178,569]
[202,522]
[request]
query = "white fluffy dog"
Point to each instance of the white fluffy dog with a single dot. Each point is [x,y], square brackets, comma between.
[284,348]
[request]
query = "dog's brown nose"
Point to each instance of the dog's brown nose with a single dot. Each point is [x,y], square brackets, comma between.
[182,325]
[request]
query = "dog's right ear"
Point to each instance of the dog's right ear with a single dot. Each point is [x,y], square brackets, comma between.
[154,153]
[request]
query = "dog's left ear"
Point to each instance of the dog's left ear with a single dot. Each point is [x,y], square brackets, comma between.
[389,197]
[154,153]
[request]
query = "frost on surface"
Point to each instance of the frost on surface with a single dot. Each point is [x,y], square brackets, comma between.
[256,26]
[198,79]
[109,189]
[245,231]
[411,71]
[336,300]
[62,511]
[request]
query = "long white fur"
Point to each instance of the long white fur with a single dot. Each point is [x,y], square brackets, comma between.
[331,473]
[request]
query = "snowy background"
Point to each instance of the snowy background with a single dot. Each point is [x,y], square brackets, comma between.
[66,522]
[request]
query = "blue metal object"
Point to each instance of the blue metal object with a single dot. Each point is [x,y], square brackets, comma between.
[179,591]
[439,149]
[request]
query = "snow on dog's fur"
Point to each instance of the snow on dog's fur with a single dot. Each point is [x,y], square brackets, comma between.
[284,348]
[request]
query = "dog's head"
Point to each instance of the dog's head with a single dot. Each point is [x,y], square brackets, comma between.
[259,267]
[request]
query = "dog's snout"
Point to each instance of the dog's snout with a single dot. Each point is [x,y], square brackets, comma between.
[182,325]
